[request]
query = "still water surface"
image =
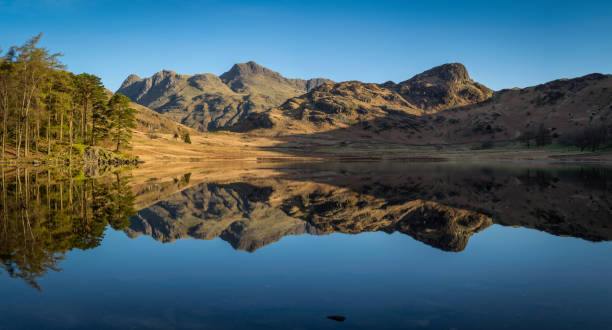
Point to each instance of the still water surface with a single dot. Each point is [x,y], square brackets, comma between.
[385,245]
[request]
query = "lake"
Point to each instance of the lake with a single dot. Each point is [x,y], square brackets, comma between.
[347,245]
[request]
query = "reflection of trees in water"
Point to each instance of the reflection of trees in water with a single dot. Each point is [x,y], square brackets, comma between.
[46,213]
[588,177]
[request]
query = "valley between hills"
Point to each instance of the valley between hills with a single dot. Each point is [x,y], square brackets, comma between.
[254,113]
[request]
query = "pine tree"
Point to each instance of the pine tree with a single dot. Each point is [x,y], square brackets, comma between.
[89,95]
[121,119]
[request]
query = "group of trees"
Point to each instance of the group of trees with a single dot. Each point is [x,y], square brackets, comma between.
[539,137]
[45,109]
[591,137]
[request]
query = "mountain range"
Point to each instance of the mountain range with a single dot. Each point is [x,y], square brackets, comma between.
[208,102]
[442,105]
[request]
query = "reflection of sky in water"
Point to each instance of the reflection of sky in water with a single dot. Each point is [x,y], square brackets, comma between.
[506,276]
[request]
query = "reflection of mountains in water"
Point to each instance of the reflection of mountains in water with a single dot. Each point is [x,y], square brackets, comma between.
[440,205]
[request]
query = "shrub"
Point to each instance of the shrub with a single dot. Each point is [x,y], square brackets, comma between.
[79,148]
[186,137]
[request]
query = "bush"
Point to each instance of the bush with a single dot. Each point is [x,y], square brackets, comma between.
[79,148]
[186,137]
[483,146]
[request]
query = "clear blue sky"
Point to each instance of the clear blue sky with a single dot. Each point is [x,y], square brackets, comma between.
[502,43]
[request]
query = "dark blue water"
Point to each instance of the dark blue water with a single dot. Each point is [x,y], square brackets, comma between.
[506,277]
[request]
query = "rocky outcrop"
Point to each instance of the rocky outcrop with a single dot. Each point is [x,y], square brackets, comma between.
[442,87]
[345,103]
[101,156]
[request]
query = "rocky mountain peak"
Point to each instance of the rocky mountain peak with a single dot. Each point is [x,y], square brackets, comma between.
[240,72]
[450,73]
[131,79]
[442,87]
[164,74]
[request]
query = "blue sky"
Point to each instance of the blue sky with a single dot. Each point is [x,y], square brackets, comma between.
[503,43]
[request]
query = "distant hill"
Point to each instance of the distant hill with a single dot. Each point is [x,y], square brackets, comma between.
[208,102]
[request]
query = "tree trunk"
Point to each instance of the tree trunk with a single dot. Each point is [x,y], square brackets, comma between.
[37,140]
[4,200]
[70,134]
[85,121]
[48,191]
[26,119]
[49,135]
[4,132]
[18,139]
[93,129]
[5,107]
[70,193]
[27,131]
[61,134]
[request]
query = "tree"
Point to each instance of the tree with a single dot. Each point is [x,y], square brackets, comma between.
[7,89]
[526,137]
[32,67]
[58,101]
[89,94]
[100,118]
[121,119]
[186,137]
[543,136]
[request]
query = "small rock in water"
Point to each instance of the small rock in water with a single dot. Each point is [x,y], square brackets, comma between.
[338,318]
